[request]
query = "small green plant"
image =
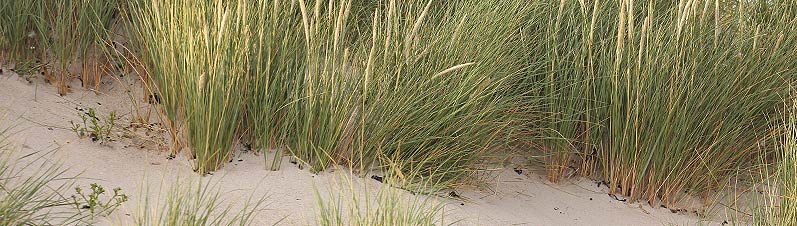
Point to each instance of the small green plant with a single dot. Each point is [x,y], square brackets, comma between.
[94,127]
[28,69]
[33,190]
[94,203]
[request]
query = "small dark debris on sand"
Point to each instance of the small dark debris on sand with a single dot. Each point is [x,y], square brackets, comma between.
[154,98]
[377,178]
[453,194]
[618,199]
[518,170]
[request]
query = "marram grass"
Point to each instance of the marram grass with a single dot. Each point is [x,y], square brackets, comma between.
[383,206]
[324,94]
[16,30]
[664,97]
[780,208]
[276,62]
[656,98]
[194,203]
[787,172]
[434,86]
[197,54]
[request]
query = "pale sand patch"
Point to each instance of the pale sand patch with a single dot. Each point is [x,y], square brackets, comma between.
[42,120]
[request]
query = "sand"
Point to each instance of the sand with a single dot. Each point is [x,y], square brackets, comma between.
[42,122]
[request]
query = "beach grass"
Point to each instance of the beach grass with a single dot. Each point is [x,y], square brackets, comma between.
[661,98]
[197,55]
[347,204]
[658,99]
[194,203]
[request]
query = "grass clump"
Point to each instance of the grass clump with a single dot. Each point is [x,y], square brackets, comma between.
[17,30]
[197,57]
[662,97]
[276,62]
[435,80]
[97,49]
[332,97]
[71,32]
[324,93]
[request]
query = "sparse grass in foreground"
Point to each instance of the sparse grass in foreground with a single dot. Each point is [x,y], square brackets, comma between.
[390,206]
[35,191]
[194,203]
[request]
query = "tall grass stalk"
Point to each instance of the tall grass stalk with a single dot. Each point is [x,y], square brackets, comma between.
[16,27]
[324,93]
[100,18]
[778,205]
[785,208]
[434,86]
[787,171]
[198,54]
[277,60]
[661,97]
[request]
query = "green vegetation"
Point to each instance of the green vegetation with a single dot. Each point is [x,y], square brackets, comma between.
[193,203]
[665,97]
[16,37]
[94,203]
[35,191]
[779,205]
[95,127]
[617,87]
[274,65]
[660,99]
[390,206]
[57,34]
[787,171]
[197,57]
